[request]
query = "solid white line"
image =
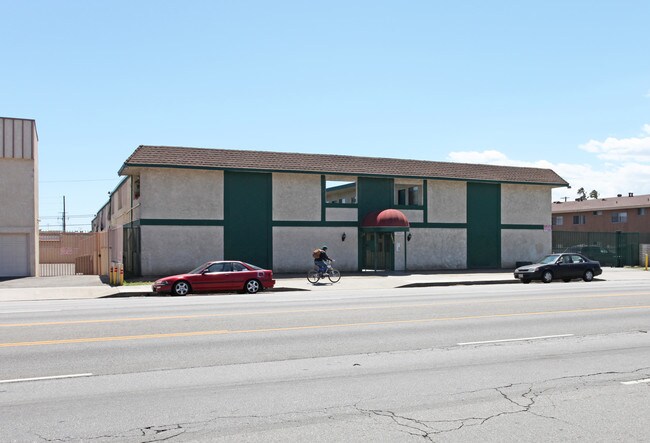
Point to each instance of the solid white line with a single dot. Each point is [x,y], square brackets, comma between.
[53,377]
[30,311]
[513,339]
[636,382]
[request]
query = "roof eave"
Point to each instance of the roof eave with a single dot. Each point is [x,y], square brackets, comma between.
[133,168]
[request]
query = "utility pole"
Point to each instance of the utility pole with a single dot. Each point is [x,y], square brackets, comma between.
[64,213]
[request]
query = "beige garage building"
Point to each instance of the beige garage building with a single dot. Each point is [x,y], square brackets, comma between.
[18,198]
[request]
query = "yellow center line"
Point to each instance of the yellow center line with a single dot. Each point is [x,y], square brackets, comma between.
[307,327]
[302,311]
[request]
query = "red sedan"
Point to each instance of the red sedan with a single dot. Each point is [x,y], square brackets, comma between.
[217,276]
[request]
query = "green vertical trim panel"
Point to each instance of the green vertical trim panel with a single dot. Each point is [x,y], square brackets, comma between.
[483,225]
[374,194]
[248,218]
[323,197]
[425,201]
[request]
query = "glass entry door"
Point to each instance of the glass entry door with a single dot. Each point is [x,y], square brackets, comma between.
[378,251]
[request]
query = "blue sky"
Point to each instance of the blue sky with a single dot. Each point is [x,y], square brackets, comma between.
[557,84]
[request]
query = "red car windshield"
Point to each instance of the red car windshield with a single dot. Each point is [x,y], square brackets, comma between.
[199,269]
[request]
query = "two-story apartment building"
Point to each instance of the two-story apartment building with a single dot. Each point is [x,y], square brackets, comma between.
[627,213]
[181,206]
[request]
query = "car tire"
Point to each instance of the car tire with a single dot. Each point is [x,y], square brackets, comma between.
[588,275]
[525,280]
[181,288]
[252,286]
[566,280]
[547,276]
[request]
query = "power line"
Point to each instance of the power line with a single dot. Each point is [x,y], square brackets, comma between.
[58,226]
[77,181]
[66,216]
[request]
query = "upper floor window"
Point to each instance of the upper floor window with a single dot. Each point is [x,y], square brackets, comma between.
[619,217]
[598,213]
[120,198]
[579,219]
[641,211]
[136,188]
[558,220]
[409,192]
[340,190]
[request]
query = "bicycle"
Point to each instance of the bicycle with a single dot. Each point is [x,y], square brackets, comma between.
[314,275]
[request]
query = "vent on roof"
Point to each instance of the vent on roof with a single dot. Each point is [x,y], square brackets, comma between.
[630,194]
[619,195]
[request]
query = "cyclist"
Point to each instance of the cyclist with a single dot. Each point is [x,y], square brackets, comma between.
[320,257]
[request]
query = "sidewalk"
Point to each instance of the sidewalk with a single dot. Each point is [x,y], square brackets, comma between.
[91,286]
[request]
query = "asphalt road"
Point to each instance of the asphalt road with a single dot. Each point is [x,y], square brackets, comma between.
[557,362]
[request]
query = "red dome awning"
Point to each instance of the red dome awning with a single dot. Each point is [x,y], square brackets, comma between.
[388,219]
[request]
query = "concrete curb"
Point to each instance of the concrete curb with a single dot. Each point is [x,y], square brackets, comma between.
[458,283]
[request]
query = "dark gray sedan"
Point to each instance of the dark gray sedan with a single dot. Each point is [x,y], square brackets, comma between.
[565,267]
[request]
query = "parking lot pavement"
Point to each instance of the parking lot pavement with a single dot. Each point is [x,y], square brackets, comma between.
[88,286]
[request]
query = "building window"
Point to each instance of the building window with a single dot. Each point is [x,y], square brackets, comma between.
[136,188]
[120,198]
[619,217]
[408,193]
[598,212]
[558,220]
[641,211]
[579,219]
[340,190]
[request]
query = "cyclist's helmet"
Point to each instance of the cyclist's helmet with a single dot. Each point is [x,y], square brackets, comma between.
[324,248]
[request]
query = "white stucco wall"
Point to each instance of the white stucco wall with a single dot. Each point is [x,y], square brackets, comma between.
[121,210]
[341,214]
[292,247]
[523,245]
[437,249]
[400,256]
[175,249]
[296,197]
[17,187]
[170,193]
[447,201]
[413,215]
[525,204]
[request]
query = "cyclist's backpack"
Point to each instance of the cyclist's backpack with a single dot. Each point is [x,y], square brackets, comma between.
[316,253]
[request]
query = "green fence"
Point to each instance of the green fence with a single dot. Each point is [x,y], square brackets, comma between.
[610,248]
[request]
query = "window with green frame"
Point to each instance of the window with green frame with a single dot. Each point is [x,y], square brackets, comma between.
[340,190]
[409,192]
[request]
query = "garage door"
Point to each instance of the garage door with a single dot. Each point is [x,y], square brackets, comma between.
[14,260]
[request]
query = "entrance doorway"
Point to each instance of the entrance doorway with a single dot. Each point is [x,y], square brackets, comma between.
[378,251]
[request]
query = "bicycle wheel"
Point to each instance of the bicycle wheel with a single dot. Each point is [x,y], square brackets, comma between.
[334,275]
[312,276]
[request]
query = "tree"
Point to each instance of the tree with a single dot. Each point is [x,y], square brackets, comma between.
[582,194]
[593,194]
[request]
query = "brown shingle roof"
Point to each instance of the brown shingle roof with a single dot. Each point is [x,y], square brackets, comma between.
[201,158]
